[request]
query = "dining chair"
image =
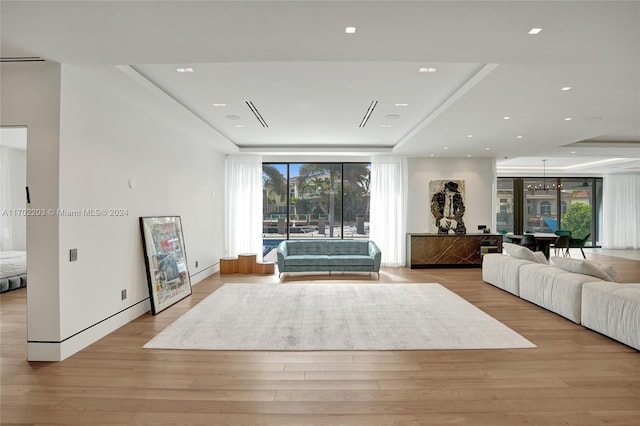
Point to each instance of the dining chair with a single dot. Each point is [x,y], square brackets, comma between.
[504,236]
[562,243]
[529,242]
[563,232]
[579,243]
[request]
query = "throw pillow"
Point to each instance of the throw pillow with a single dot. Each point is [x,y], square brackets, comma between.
[586,267]
[522,252]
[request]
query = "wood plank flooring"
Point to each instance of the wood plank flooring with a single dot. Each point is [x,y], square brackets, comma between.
[574,377]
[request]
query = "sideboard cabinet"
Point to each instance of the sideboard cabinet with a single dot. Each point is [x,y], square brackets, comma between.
[448,250]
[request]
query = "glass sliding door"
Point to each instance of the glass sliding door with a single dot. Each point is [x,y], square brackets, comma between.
[505,206]
[576,198]
[540,206]
[356,178]
[315,201]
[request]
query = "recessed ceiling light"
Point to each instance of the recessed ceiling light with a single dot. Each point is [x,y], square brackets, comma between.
[350,30]
[401,105]
[219,105]
[468,155]
[568,119]
[425,69]
[386,125]
[573,152]
[487,149]
[534,31]
[566,88]
[519,137]
[431,155]
[240,125]
[446,147]
[469,136]
[507,117]
[184,69]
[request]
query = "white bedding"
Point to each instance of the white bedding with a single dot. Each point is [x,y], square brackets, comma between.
[13,263]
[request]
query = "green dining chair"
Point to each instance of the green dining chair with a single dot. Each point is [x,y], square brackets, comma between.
[504,236]
[579,243]
[563,232]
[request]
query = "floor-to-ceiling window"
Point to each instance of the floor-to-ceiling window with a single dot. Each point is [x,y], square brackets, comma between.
[504,207]
[547,204]
[578,196]
[314,200]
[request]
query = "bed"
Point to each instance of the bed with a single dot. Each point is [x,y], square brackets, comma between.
[13,270]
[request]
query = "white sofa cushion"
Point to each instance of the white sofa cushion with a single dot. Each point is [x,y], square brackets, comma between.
[554,289]
[613,310]
[522,252]
[503,271]
[585,267]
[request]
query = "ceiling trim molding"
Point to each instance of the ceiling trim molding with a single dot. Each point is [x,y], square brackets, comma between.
[144,81]
[484,71]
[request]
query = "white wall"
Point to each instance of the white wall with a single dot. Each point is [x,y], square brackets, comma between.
[479,177]
[106,143]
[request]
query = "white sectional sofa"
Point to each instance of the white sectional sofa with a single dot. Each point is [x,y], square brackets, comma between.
[554,289]
[503,271]
[614,310]
[579,290]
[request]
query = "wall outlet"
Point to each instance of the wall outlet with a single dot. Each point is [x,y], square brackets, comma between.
[73,255]
[196,263]
[123,294]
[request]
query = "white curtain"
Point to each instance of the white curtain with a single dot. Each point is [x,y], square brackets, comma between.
[388,219]
[620,211]
[13,179]
[243,214]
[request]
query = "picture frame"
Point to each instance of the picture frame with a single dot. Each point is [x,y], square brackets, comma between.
[447,205]
[165,260]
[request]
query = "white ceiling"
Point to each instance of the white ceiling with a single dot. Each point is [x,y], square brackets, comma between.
[312,83]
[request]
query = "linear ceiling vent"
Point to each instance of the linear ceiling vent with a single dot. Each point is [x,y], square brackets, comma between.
[255,112]
[368,113]
[21,59]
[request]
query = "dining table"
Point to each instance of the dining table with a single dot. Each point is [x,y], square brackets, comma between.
[543,240]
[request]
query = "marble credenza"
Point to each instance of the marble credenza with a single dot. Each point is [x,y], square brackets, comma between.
[449,250]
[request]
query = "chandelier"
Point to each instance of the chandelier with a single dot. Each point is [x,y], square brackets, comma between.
[544,187]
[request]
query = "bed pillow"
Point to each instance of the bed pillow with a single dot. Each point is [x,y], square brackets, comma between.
[586,267]
[522,252]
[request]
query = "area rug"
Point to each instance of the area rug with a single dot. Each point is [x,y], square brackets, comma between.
[312,316]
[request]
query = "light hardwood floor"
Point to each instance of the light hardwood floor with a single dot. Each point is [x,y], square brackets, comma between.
[574,377]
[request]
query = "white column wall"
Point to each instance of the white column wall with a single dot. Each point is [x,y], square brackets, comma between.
[30,96]
[479,177]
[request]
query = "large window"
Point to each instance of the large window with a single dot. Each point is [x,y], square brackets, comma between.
[546,205]
[504,221]
[315,200]
[578,216]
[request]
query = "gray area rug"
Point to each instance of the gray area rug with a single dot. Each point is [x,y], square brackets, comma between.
[302,317]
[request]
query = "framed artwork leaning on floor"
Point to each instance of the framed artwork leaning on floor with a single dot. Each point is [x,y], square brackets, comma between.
[166,261]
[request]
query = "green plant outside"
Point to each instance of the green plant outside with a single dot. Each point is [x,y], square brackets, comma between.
[577,219]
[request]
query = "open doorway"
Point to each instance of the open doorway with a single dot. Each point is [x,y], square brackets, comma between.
[13,207]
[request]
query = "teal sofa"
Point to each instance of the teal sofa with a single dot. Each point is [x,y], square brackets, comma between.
[329,256]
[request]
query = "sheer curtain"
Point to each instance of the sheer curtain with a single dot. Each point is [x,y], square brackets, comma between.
[243,196]
[388,219]
[620,211]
